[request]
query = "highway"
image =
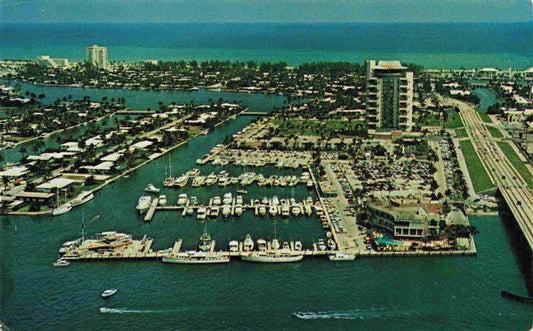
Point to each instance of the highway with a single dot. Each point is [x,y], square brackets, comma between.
[512,186]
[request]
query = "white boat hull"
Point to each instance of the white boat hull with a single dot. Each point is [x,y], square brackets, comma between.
[186,260]
[271,258]
[342,257]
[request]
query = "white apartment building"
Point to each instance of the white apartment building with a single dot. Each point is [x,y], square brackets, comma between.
[97,56]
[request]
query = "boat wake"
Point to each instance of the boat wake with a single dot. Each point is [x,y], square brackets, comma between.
[105,310]
[358,314]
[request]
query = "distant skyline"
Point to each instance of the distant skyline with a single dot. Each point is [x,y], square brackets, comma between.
[264,11]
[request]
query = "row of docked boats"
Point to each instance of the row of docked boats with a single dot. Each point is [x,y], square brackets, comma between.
[223,179]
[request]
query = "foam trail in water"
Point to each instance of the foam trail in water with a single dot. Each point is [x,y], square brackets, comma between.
[105,310]
[375,313]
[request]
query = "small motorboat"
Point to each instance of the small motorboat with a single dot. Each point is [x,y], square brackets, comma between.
[61,263]
[109,292]
[150,188]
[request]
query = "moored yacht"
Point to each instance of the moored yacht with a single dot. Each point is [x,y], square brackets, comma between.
[182,199]
[162,200]
[181,181]
[193,257]
[150,188]
[63,209]
[248,244]
[82,198]
[143,204]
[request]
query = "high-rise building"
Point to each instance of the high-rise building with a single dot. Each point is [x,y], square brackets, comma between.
[389,96]
[47,61]
[97,56]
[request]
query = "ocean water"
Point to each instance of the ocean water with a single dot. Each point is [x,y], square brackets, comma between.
[432,45]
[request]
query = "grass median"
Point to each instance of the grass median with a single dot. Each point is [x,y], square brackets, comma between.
[517,163]
[478,174]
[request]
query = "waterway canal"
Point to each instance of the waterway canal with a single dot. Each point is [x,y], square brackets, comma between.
[371,293]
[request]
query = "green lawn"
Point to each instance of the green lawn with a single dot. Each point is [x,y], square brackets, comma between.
[461,133]
[495,133]
[485,118]
[517,163]
[316,128]
[479,176]
[453,121]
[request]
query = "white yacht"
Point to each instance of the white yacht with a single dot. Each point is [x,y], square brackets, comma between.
[238,210]
[181,181]
[273,210]
[143,204]
[202,213]
[214,211]
[82,198]
[63,209]
[193,172]
[278,256]
[211,179]
[248,243]
[162,200]
[169,182]
[285,211]
[182,199]
[228,198]
[61,263]
[234,246]
[342,257]
[150,188]
[261,245]
[198,181]
[193,257]
[226,210]
[262,210]
[296,210]
[108,293]
[217,200]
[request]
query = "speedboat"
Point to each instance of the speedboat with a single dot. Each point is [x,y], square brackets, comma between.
[238,210]
[109,292]
[162,200]
[217,200]
[342,257]
[150,188]
[169,181]
[262,210]
[233,246]
[63,209]
[211,179]
[61,263]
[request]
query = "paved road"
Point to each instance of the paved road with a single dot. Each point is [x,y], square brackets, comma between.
[503,174]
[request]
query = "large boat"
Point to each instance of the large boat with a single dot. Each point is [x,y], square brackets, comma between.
[278,256]
[150,188]
[84,197]
[342,257]
[193,257]
[198,181]
[181,181]
[143,204]
[63,209]
[211,179]
[162,200]
[274,254]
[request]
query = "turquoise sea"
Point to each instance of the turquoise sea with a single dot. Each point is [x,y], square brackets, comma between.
[452,45]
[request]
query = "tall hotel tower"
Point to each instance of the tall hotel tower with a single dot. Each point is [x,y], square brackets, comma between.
[389,96]
[97,56]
